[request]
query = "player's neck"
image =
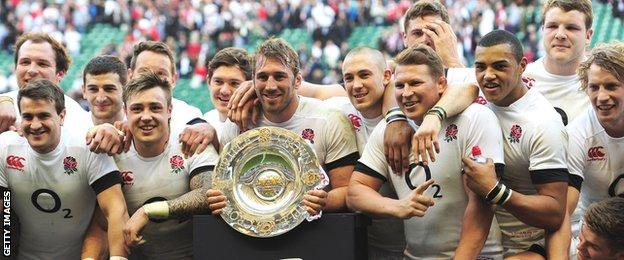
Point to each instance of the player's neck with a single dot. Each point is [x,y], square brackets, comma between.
[111,120]
[614,128]
[372,112]
[284,115]
[518,92]
[151,149]
[561,69]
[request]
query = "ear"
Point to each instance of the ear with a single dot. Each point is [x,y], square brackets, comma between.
[589,34]
[298,80]
[523,64]
[130,73]
[174,79]
[387,77]
[62,115]
[60,76]
[404,37]
[441,85]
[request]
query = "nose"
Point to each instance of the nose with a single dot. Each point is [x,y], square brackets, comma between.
[33,69]
[100,97]
[35,123]
[407,91]
[560,34]
[489,74]
[603,94]
[357,83]
[226,90]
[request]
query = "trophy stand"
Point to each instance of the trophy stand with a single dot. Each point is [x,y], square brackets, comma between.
[334,236]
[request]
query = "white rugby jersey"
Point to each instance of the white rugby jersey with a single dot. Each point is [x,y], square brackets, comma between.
[213,118]
[76,118]
[53,194]
[436,235]
[384,233]
[563,92]
[597,158]
[535,146]
[182,113]
[324,126]
[159,178]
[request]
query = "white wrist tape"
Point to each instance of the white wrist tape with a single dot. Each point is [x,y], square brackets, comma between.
[157,210]
[117,258]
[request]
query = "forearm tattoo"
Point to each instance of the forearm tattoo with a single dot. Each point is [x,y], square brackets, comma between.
[194,201]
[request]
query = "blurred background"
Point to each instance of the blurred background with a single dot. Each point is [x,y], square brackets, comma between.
[321,31]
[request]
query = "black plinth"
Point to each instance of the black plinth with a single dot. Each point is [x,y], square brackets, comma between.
[334,236]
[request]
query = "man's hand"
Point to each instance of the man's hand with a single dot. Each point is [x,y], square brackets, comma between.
[195,138]
[7,116]
[480,178]
[127,141]
[133,227]
[315,201]
[216,201]
[416,204]
[445,42]
[105,138]
[397,137]
[243,106]
[425,139]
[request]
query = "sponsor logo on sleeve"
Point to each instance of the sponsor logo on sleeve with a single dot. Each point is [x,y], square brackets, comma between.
[15,162]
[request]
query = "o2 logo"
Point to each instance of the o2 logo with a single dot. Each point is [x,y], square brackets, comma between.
[408,180]
[48,201]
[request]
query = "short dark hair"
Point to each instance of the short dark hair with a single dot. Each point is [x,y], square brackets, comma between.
[583,6]
[425,8]
[497,37]
[61,58]
[421,55]
[104,64]
[42,89]
[606,219]
[279,49]
[231,57]
[146,79]
[157,47]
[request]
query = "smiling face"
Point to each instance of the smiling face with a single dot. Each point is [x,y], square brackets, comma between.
[365,82]
[148,114]
[276,87]
[416,90]
[592,246]
[224,80]
[36,60]
[565,35]
[41,124]
[606,94]
[103,93]
[499,74]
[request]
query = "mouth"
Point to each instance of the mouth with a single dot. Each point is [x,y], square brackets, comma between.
[147,129]
[605,107]
[271,96]
[36,134]
[224,100]
[409,104]
[359,95]
[560,46]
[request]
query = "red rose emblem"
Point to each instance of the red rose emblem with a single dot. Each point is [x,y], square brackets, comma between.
[356,121]
[528,81]
[177,163]
[515,134]
[308,134]
[70,165]
[480,100]
[127,177]
[451,133]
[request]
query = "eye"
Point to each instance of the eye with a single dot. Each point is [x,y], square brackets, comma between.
[279,77]
[348,78]
[500,66]
[399,85]
[217,82]
[235,84]
[262,77]
[135,109]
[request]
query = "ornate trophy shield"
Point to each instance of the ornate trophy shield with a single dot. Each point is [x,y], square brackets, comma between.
[264,174]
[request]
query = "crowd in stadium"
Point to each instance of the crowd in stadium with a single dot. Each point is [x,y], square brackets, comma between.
[196,29]
[466,136]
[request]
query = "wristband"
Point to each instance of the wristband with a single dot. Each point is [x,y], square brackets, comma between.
[395,114]
[438,111]
[115,257]
[157,210]
[500,194]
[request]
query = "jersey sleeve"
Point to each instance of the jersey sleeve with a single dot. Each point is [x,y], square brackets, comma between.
[576,151]
[203,162]
[373,161]
[339,141]
[484,131]
[4,182]
[102,171]
[548,149]
[227,132]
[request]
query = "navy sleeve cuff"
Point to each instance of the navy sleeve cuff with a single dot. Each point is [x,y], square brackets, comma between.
[360,167]
[106,181]
[198,170]
[575,181]
[350,159]
[549,175]
[196,120]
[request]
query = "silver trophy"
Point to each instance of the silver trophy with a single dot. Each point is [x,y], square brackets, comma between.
[264,174]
